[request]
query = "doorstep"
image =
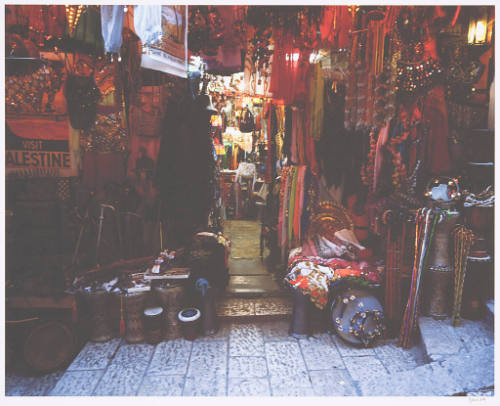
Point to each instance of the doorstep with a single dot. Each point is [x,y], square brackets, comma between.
[250,309]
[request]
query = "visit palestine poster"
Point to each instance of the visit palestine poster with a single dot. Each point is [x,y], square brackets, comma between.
[39,147]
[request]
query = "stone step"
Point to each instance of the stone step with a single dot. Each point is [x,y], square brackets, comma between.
[257,308]
[489,316]
[441,340]
[457,375]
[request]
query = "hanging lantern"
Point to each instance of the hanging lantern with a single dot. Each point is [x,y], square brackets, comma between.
[479,28]
[73,14]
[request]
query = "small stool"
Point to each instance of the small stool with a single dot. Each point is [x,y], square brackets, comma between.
[299,327]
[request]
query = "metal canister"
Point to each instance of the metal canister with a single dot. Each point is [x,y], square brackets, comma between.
[438,272]
[134,304]
[153,324]
[172,297]
[97,308]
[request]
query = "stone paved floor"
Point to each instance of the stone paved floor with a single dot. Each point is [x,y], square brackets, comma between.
[250,359]
[242,359]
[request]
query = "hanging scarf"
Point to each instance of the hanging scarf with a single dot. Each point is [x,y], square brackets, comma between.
[426,221]
[462,238]
[112,24]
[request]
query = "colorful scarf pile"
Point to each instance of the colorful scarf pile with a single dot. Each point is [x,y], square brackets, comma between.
[426,221]
[314,275]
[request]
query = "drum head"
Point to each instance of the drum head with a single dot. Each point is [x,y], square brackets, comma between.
[49,346]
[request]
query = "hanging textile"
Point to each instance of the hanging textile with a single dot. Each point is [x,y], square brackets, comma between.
[112,24]
[315,102]
[147,23]
[289,70]
[462,239]
[426,221]
[297,197]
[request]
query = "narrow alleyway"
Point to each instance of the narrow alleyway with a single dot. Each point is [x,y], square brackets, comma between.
[248,273]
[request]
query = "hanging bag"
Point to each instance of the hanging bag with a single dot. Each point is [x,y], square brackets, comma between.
[247,122]
[82,95]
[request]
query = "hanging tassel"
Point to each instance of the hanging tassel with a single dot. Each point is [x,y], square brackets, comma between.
[122,320]
[74,313]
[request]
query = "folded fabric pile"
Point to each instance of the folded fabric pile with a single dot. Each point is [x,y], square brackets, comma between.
[314,275]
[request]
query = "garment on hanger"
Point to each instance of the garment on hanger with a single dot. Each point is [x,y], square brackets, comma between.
[112,24]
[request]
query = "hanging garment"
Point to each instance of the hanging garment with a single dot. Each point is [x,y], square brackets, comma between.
[246,170]
[289,69]
[112,24]
[315,105]
[147,23]
[88,32]
[381,142]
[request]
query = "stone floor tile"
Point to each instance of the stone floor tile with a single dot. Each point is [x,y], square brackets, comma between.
[396,359]
[474,334]
[170,358]
[254,266]
[42,385]
[480,361]
[297,384]
[125,372]
[361,368]
[439,338]
[248,387]
[95,355]
[205,385]
[235,307]
[246,340]
[426,380]
[336,382]
[208,358]
[320,353]
[253,284]
[273,306]
[17,385]
[162,385]
[276,330]
[222,333]
[284,358]
[247,367]
[77,383]
[349,350]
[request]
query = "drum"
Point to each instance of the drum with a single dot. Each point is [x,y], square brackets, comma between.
[134,304]
[190,323]
[172,297]
[96,307]
[153,324]
[357,317]
[49,346]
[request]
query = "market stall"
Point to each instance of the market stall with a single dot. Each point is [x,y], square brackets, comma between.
[360,138]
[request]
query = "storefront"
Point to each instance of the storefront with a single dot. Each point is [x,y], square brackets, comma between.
[162,159]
